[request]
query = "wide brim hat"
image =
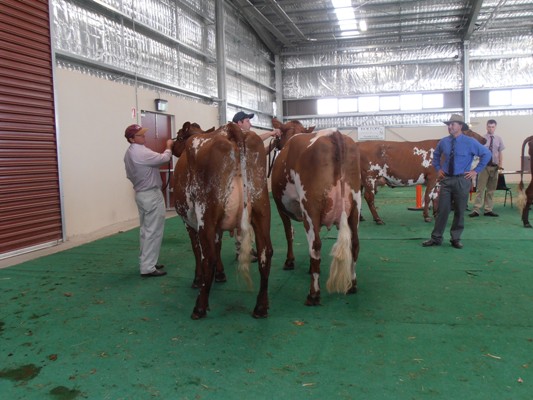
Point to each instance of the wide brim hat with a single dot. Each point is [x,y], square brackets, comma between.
[455,118]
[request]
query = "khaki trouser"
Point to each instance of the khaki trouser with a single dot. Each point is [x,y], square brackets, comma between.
[487,181]
[151,205]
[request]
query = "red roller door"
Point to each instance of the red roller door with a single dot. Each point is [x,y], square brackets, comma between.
[30,209]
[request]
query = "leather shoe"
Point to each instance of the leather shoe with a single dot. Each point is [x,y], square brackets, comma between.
[430,242]
[490,214]
[159,266]
[154,273]
[457,244]
[473,214]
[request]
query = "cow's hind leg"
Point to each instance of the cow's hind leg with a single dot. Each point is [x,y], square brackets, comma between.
[193,236]
[369,197]
[354,227]
[208,266]
[315,247]
[264,258]
[220,275]
[525,213]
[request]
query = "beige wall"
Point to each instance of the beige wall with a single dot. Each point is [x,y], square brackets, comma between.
[92,116]
[513,131]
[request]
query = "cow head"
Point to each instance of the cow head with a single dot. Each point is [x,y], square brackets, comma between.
[186,131]
[288,130]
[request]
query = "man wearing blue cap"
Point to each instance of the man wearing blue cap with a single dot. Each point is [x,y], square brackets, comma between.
[243,120]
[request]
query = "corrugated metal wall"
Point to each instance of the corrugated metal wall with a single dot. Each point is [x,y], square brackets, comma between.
[30,209]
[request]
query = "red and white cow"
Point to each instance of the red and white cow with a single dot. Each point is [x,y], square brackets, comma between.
[220,185]
[401,164]
[525,198]
[316,180]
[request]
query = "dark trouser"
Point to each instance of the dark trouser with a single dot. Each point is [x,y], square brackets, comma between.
[454,191]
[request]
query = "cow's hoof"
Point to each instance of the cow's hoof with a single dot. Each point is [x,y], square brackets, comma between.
[312,301]
[220,277]
[361,218]
[198,314]
[260,312]
[288,266]
[427,219]
[527,225]
[379,222]
[195,284]
[352,290]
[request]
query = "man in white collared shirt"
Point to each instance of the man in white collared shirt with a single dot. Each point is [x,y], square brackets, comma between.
[142,169]
[487,180]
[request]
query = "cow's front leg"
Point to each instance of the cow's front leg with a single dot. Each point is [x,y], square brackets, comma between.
[435,200]
[429,199]
[289,235]
[425,210]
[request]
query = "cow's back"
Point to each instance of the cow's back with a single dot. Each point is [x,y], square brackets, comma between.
[308,172]
[207,183]
[209,178]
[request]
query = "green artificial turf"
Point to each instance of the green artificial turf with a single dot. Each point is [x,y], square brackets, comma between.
[426,323]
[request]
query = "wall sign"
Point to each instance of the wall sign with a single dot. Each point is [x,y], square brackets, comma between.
[371,133]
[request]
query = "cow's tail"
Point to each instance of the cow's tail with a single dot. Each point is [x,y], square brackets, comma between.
[245,251]
[522,197]
[236,135]
[340,271]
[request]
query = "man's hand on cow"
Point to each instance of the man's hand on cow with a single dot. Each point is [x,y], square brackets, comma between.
[276,132]
[170,143]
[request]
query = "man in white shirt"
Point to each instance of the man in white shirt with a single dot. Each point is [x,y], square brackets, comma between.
[487,181]
[142,169]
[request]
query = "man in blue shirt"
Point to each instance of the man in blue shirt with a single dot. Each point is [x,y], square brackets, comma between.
[455,176]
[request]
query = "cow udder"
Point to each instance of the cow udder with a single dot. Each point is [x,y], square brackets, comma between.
[334,200]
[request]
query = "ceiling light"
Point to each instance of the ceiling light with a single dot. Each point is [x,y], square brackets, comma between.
[341,3]
[348,25]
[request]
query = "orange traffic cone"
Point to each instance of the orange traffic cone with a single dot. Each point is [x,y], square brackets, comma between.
[418,199]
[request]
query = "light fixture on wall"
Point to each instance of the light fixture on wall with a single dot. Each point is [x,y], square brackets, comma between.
[161,105]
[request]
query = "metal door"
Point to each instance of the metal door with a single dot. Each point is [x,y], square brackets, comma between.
[30,201]
[159,131]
